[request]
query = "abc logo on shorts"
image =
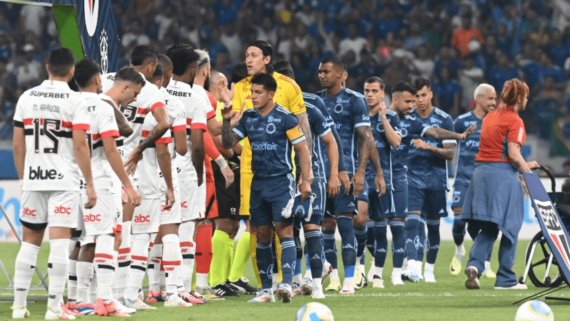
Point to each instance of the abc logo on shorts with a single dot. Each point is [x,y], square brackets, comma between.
[142,219]
[92,218]
[62,210]
[29,212]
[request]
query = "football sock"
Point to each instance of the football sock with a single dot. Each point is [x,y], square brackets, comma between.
[278,262]
[171,261]
[231,245]
[306,250]
[275,263]
[253,251]
[104,266]
[84,279]
[433,240]
[458,229]
[203,254]
[346,231]
[422,241]
[220,256]
[412,227]
[370,237]
[362,260]
[398,242]
[123,262]
[361,234]
[241,256]
[330,248]
[264,261]
[138,265]
[288,257]
[314,243]
[186,233]
[381,239]
[93,290]
[155,262]
[58,263]
[72,282]
[25,265]
[299,257]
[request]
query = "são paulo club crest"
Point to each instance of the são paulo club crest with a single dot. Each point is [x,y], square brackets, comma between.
[91,10]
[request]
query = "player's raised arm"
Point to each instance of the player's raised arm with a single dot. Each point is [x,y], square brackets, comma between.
[442,134]
[393,136]
[231,137]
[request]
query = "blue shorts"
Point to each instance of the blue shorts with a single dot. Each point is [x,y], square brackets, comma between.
[431,203]
[270,196]
[366,192]
[458,195]
[400,194]
[319,188]
[342,204]
[380,207]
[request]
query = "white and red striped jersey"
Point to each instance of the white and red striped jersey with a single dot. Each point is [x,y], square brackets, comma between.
[149,179]
[196,112]
[49,113]
[177,117]
[103,125]
[148,99]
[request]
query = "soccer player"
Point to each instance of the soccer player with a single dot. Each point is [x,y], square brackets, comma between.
[258,60]
[50,153]
[386,135]
[352,121]
[485,101]
[272,131]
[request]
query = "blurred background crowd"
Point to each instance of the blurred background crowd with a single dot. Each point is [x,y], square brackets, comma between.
[457,44]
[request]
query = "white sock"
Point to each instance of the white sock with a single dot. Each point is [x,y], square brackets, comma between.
[378,271]
[138,265]
[397,272]
[84,279]
[308,274]
[155,261]
[351,280]
[72,282]
[487,265]
[201,280]
[105,266]
[188,249]
[123,262]
[171,260]
[93,289]
[317,283]
[429,267]
[358,258]
[334,275]
[58,264]
[460,249]
[25,265]
[297,278]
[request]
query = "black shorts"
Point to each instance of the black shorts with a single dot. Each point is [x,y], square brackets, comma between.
[228,198]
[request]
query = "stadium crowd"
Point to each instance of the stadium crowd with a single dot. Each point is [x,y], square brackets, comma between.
[456,44]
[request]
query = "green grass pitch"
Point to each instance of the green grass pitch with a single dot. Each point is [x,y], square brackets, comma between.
[446,300]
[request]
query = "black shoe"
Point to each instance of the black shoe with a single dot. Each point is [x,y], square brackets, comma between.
[222,290]
[242,286]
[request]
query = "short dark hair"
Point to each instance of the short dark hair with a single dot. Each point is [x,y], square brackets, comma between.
[336,61]
[377,80]
[182,56]
[284,67]
[404,86]
[131,75]
[422,82]
[85,71]
[60,61]
[164,60]
[266,80]
[158,73]
[142,53]
[239,72]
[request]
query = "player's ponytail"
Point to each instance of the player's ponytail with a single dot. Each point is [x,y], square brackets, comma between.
[513,94]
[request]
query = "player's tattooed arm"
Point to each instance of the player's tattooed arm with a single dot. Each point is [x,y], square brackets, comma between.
[163,124]
[229,138]
[514,152]
[306,129]
[363,156]
[164,163]
[446,152]
[440,133]
[375,161]
[125,128]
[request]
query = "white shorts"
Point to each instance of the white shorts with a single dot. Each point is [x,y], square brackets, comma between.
[174,214]
[53,208]
[146,218]
[191,202]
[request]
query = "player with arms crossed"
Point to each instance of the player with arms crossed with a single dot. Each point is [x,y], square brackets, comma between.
[272,131]
[485,101]
[50,153]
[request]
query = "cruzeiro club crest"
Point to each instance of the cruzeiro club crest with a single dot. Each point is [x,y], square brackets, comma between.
[104,46]
[91,10]
[270,129]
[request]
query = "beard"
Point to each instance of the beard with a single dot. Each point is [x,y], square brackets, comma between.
[207,83]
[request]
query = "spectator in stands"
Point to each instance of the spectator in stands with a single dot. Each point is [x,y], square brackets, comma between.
[446,59]
[26,69]
[387,23]
[502,72]
[415,39]
[557,49]
[469,78]
[464,35]
[353,43]
[446,93]
[566,167]
[550,69]
[5,47]
[231,39]
[33,18]
[424,63]
[503,40]
[135,36]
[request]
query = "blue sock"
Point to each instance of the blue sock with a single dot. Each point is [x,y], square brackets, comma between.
[330,248]
[306,250]
[398,242]
[412,231]
[299,256]
[346,231]
[275,263]
[433,240]
[363,258]
[264,259]
[381,243]
[458,229]
[288,253]
[361,234]
[314,242]
[422,240]
[370,236]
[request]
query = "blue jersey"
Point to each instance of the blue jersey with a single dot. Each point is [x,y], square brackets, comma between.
[410,128]
[467,149]
[271,138]
[425,170]
[383,147]
[319,128]
[349,111]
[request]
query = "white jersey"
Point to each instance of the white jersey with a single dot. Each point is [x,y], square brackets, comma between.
[148,99]
[103,125]
[49,113]
[196,111]
[177,117]
[201,92]
[119,140]
[149,180]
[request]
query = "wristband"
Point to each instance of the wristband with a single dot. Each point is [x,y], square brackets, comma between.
[221,162]
[226,105]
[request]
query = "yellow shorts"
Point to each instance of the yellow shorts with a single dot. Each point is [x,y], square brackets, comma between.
[245,192]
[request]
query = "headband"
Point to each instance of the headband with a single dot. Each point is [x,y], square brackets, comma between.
[258,44]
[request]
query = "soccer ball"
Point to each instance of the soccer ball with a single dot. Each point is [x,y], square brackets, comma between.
[534,310]
[314,312]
